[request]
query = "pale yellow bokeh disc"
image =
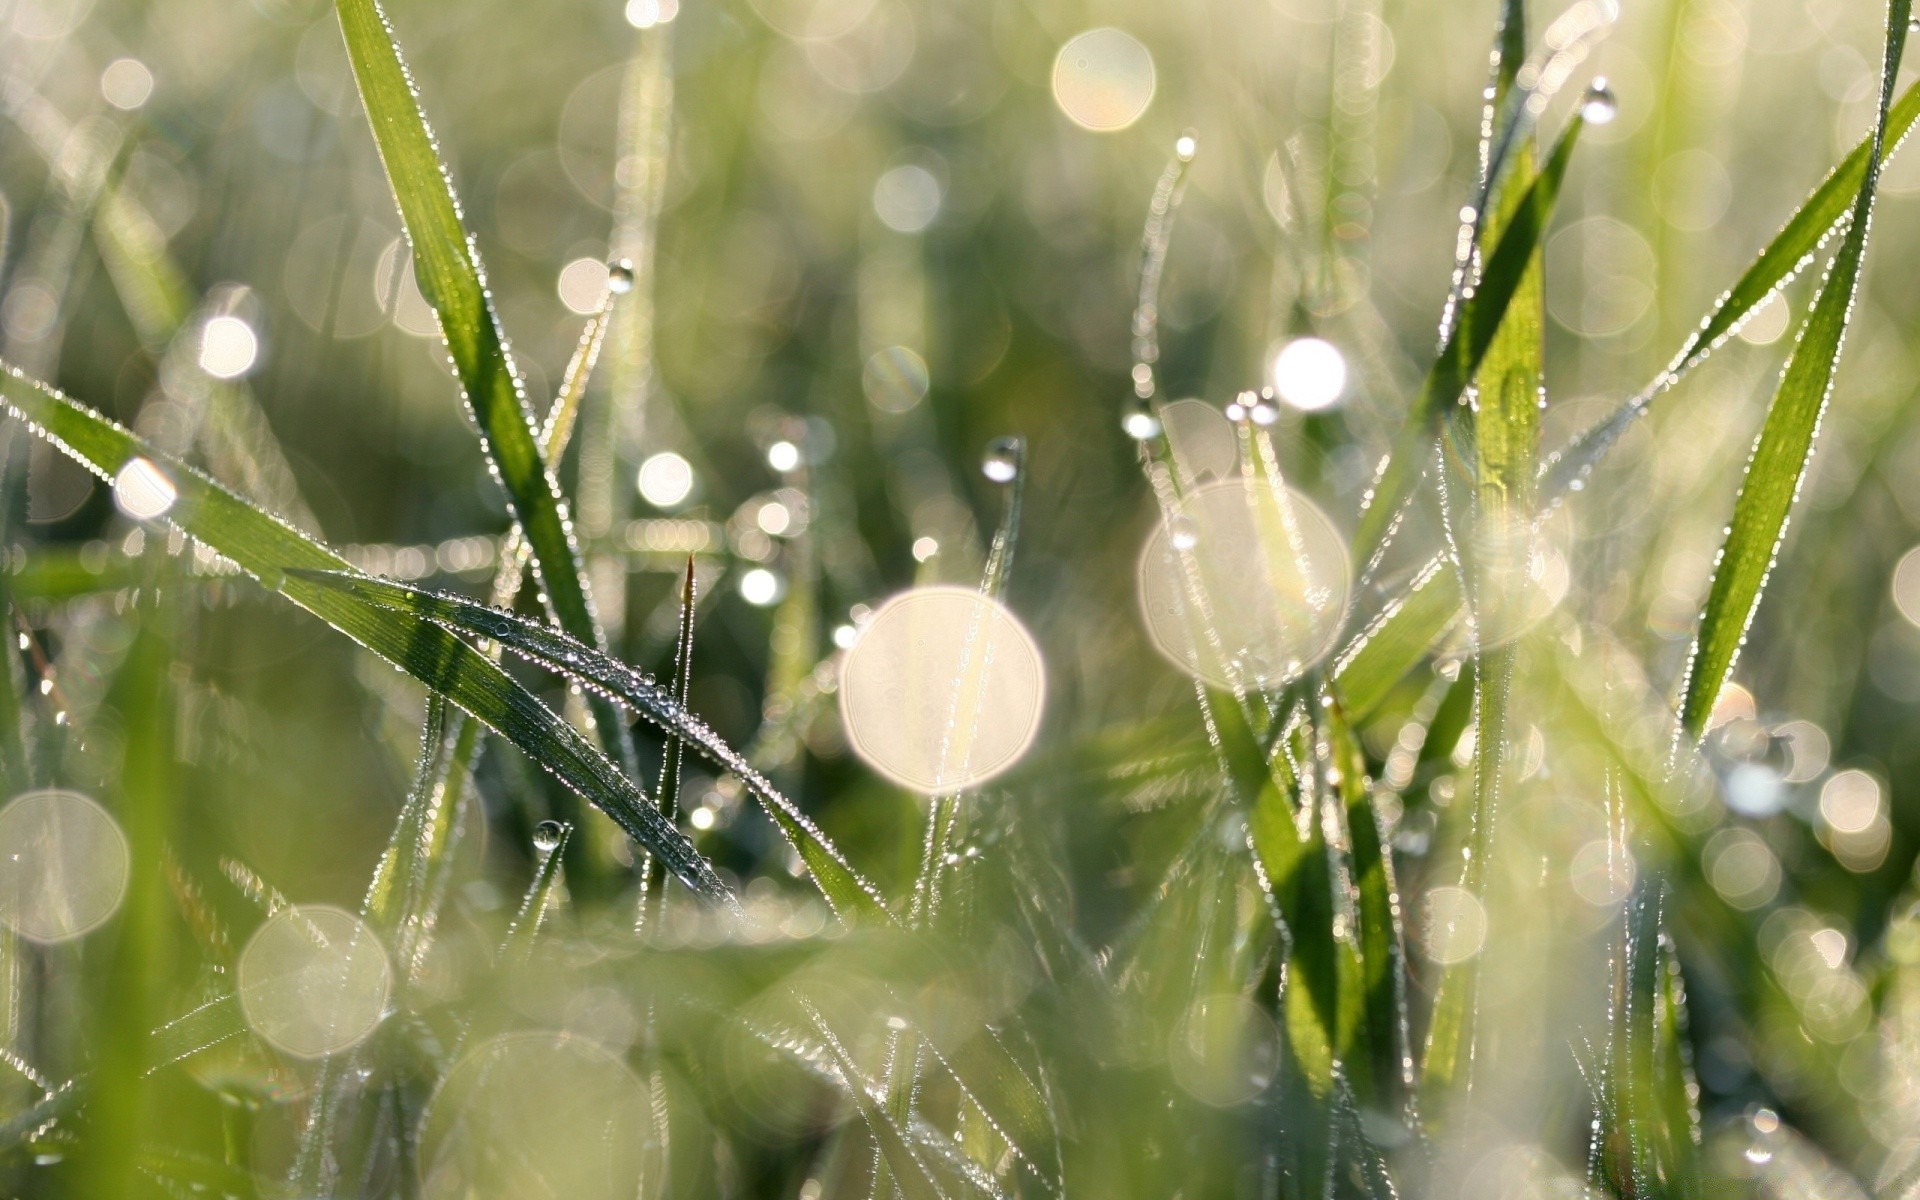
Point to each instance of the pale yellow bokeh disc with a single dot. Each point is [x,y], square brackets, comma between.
[535,1114]
[1103,79]
[942,690]
[63,865]
[314,980]
[1205,446]
[1245,585]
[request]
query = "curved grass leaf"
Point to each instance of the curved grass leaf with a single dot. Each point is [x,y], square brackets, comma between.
[842,886]
[1783,258]
[534,905]
[447,266]
[1785,445]
[1380,657]
[273,553]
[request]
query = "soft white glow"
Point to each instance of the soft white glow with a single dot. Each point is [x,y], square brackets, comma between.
[314,980]
[1224,1051]
[535,1114]
[1103,79]
[1203,441]
[942,690]
[1850,802]
[228,347]
[844,636]
[925,548]
[665,479]
[760,587]
[126,83]
[701,817]
[63,865]
[582,284]
[774,518]
[783,456]
[1244,586]
[895,379]
[142,490]
[1602,874]
[1310,374]
[907,198]
[645,14]
[1456,926]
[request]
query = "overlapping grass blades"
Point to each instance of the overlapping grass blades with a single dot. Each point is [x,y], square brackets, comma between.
[273,552]
[842,886]
[1785,445]
[447,266]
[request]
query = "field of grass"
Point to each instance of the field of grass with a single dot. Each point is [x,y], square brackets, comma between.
[1256,598]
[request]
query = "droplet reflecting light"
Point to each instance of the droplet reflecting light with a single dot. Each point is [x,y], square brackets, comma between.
[665,479]
[142,490]
[1103,79]
[314,980]
[228,347]
[1310,374]
[63,865]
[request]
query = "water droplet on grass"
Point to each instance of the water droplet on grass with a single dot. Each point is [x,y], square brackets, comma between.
[1002,463]
[1139,421]
[1598,106]
[620,276]
[546,836]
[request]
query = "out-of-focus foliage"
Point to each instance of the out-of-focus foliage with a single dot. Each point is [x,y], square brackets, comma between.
[1571,864]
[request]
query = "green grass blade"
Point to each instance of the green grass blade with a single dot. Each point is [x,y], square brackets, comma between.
[1395,642]
[1785,446]
[1778,263]
[539,897]
[842,886]
[1467,346]
[447,266]
[269,550]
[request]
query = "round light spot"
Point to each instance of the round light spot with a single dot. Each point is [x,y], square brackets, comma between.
[1310,374]
[1103,79]
[665,479]
[783,456]
[942,690]
[314,980]
[1224,1051]
[142,490]
[1601,874]
[228,347]
[63,865]
[1245,586]
[1906,585]
[1808,750]
[907,198]
[895,379]
[1851,802]
[582,284]
[761,587]
[774,518]
[1456,925]
[126,83]
[1524,575]
[535,1114]
[645,14]
[1741,868]
[924,548]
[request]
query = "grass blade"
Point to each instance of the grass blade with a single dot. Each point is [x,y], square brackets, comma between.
[271,552]
[1785,445]
[447,266]
[842,886]
[539,897]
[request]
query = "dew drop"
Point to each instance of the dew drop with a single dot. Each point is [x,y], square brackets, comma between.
[620,276]
[1002,463]
[1598,106]
[546,836]
[1184,534]
[1139,421]
[1185,147]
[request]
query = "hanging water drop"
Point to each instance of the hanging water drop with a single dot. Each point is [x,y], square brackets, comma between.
[546,836]
[1599,106]
[1002,463]
[620,276]
[1139,421]
[1186,145]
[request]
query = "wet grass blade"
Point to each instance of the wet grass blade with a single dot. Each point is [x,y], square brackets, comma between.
[842,886]
[1829,204]
[1466,347]
[271,551]
[447,266]
[1383,653]
[539,897]
[1785,446]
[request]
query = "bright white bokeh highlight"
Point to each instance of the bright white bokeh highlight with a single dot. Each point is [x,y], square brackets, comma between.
[1456,925]
[126,84]
[761,587]
[228,347]
[582,285]
[645,14]
[1246,585]
[665,480]
[1103,79]
[1310,374]
[907,198]
[535,1114]
[141,490]
[314,981]
[63,866]
[942,690]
